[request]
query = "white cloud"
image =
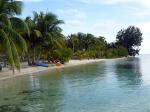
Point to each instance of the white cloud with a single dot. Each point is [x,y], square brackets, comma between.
[145,3]
[107,1]
[145,27]
[140,14]
[72,13]
[111,2]
[115,2]
[146,36]
[107,28]
[74,26]
[31,0]
[105,25]
[74,23]
[145,46]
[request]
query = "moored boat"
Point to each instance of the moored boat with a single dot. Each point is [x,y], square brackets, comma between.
[42,64]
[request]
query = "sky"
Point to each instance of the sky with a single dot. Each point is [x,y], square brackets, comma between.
[99,17]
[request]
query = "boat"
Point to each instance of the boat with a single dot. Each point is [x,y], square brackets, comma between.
[42,64]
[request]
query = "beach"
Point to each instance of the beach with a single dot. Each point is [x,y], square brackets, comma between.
[5,74]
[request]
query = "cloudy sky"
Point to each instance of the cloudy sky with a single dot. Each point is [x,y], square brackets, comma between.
[99,17]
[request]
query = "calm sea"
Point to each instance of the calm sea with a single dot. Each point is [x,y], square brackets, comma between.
[109,86]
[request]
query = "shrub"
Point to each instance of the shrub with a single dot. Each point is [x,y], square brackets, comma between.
[122,51]
[62,55]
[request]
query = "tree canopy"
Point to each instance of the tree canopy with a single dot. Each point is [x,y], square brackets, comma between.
[130,38]
[12,44]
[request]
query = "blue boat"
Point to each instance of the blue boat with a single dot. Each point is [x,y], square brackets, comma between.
[42,64]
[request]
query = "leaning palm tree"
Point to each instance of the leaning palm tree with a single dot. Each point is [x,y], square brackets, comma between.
[11,28]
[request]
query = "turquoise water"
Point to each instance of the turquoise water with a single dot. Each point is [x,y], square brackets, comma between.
[109,86]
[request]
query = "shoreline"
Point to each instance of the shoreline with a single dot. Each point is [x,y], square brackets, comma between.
[33,70]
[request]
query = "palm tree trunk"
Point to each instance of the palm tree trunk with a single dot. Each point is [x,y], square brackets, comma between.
[13,70]
[29,61]
[39,56]
[73,47]
[34,55]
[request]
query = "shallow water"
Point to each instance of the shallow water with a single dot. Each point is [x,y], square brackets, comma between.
[109,86]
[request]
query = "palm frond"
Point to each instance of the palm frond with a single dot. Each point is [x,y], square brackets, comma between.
[37,33]
[17,39]
[7,46]
[55,23]
[11,7]
[4,20]
[15,54]
[62,42]
[14,7]
[35,16]
[50,17]
[57,44]
[30,22]
[19,25]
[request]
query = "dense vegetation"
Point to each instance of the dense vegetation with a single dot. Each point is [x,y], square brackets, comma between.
[89,46]
[41,38]
[131,39]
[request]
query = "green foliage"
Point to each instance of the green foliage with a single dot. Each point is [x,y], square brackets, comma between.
[130,38]
[87,45]
[116,52]
[122,51]
[80,55]
[19,25]
[45,34]
[112,53]
[84,55]
[10,33]
[63,55]
[10,7]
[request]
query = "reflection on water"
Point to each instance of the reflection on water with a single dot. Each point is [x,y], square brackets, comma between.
[129,72]
[110,86]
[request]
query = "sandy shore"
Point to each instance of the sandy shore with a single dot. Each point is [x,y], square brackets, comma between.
[32,70]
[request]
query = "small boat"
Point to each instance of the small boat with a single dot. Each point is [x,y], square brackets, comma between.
[42,64]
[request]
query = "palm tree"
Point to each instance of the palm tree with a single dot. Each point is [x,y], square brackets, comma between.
[45,34]
[46,22]
[11,42]
[34,40]
[10,7]
[73,42]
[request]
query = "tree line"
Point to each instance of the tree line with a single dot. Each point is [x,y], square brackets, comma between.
[40,38]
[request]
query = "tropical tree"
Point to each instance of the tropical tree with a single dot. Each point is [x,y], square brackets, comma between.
[34,40]
[87,45]
[130,38]
[73,42]
[45,35]
[10,7]
[11,42]
[48,25]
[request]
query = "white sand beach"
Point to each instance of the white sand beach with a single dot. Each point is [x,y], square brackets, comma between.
[5,74]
